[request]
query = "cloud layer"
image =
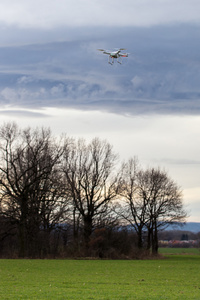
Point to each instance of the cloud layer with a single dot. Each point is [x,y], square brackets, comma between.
[161,74]
[49,14]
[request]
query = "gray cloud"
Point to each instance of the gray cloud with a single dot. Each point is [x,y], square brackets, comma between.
[161,74]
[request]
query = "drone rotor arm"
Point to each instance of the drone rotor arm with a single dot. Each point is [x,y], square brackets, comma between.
[104,51]
[123,54]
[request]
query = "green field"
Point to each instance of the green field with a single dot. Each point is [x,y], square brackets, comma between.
[173,277]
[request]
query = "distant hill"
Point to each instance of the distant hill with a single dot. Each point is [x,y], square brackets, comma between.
[189,226]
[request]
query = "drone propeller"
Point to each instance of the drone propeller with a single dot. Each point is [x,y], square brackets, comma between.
[120,49]
[100,49]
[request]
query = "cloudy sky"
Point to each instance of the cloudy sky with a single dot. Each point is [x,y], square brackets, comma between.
[52,75]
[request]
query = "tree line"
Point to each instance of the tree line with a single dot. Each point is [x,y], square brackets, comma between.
[61,196]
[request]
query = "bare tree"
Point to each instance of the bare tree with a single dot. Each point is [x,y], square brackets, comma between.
[30,182]
[152,202]
[132,207]
[91,184]
[164,202]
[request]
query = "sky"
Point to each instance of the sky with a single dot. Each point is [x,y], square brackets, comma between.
[52,75]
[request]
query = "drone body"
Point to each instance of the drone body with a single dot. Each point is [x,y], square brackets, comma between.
[114,54]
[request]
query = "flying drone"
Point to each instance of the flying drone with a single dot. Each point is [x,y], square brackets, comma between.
[114,54]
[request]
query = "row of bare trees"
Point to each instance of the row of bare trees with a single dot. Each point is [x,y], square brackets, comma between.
[52,186]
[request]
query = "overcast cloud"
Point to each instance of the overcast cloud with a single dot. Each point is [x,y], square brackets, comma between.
[51,74]
[161,74]
[49,14]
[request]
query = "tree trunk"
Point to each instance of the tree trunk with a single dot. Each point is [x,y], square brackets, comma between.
[21,240]
[22,231]
[75,225]
[87,230]
[139,234]
[149,238]
[154,238]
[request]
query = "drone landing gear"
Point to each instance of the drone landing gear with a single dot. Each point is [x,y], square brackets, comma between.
[111,62]
[119,62]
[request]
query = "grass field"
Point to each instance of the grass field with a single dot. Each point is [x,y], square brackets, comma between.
[174,277]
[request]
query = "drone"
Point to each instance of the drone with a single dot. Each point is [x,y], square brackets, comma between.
[114,54]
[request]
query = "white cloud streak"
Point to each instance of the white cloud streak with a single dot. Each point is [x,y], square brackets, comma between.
[49,14]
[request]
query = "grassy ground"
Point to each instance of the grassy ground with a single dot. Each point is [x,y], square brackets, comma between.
[174,277]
